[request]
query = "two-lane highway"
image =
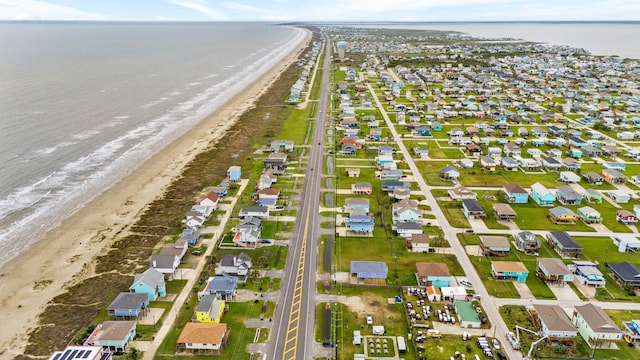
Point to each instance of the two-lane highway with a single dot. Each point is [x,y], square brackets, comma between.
[294,321]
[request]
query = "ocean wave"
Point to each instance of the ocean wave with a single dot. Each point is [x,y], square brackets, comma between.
[46,202]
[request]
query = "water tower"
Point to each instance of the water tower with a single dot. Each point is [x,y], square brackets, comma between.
[341,45]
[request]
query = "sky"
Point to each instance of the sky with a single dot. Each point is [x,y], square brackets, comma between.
[320,10]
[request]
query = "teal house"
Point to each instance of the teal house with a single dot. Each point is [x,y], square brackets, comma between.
[150,282]
[113,335]
[509,270]
[541,195]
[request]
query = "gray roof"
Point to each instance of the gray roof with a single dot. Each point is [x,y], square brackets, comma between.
[554,266]
[164,261]
[223,283]
[561,210]
[565,239]
[596,318]
[254,209]
[127,300]
[377,267]
[625,271]
[205,303]
[151,277]
[408,226]
[553,317]
[472,205]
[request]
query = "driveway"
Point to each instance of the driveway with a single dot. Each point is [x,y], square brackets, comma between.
[564,293]
[523,290]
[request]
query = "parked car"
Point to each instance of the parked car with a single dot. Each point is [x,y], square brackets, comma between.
[466,283]
[369,320]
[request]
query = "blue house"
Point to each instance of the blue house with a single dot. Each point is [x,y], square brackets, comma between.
[541,195]
[128,305]
[224,287]
[516,193]
[388,186]
[422,131]
[369,272]
[577,142]
[436,126]
[385,150]
[150,282]
[190,235]
[234,173]
[433,274]
[615,165]
[509,270]
[360,223]
[113,335]
[575,153]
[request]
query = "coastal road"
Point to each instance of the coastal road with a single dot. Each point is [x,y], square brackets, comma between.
[450,233]
[294,321]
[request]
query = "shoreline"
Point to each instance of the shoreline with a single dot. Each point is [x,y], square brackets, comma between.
[65,254]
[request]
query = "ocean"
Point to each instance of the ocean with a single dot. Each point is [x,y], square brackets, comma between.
[83,104]
[599,38]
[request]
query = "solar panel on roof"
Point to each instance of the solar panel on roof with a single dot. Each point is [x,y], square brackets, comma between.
[66,354]
[79,354]
[87,354]
[73,354]
[57,356]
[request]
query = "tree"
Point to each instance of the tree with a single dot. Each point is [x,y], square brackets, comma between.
[255,275]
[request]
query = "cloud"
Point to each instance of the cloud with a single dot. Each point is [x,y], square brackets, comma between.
[40,10]
[201,7]
[243,7]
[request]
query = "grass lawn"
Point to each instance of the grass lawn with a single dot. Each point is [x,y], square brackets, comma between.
[401,263]
[497,288]
[452,210]
[537,219]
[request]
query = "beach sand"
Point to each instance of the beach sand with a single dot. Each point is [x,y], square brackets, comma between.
[65,255]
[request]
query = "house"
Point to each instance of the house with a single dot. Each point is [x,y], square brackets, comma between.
[593,178]
[466,163]
[350,204]
[235,265]
[388,186]
[74,352]
[234,173]
[472,209]
[625,274]
[360,223]
[509,163]
[591,151]
[128,305]
[527,242]
[588,273]
[575,153]
[460,192]
[211,199]
[473,149]
[494,245]
[434,294]
[626,217]
[247,235]
[487,163]
[203,338]
[165,263]
[494,152]
[113,335]
[449,173]
[509,270]
[535,153]
[516,193]
[564,244]
[552,270]
[595,326]
[467,315]
[189,236]
[619,197]
[391,174]
[453,293]
[589,215]
[362,188]
[348,150]
[194,219]
[276,163]
[550,163]
[265,181]
[150,282]
[503,212]
[209,310]
[268,193]
[421,152]
[406,211]
[407,229]
[571,164]
[568,196]
[569,177]
[554,323]
[613,176]
[562,215]
[261,212]
[513,150]
[433,274]
[369,272]
[541,195]
[592,195]
[418,243]
[353,172]
[224,287]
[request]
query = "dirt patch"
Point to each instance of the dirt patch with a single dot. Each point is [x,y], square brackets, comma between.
[370,304]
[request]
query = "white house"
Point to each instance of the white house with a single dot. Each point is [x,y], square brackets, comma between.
[595,326]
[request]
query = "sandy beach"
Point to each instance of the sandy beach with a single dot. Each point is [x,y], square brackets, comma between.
[65,254]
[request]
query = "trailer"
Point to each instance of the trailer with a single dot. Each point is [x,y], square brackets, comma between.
[402,345]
